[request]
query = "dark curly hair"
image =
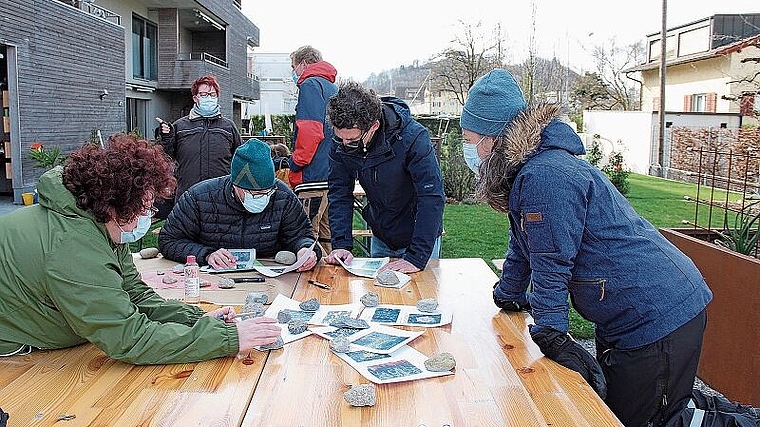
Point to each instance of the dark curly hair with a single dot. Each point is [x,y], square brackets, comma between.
[115,183]
[353,107]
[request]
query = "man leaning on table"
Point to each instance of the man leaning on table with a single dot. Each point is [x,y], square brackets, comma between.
[67,275]
[377,141]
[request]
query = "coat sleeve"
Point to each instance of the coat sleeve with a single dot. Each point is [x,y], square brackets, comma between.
[340,198]
[515,276]
[96,303]
[237,141]
[310,118]
[428,183]
[180,234]
[168,141]
[551,210]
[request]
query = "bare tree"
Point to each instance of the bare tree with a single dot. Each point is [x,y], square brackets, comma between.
[591,93]
[611,60]
[472,53]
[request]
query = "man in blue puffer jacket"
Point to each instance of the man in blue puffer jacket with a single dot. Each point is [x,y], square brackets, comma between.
[378,143]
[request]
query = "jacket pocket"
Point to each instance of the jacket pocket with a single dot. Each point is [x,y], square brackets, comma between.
[537,229]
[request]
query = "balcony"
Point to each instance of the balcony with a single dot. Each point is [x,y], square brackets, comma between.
[91,8]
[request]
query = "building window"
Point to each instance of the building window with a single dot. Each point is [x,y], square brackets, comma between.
[699,102]
[144,49]
[137,117]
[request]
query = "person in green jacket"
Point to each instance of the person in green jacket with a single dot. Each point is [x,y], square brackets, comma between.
[67,275]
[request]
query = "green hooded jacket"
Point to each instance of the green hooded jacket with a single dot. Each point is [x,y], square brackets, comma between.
[63,282]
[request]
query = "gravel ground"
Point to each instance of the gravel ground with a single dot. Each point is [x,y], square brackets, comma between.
[698,384]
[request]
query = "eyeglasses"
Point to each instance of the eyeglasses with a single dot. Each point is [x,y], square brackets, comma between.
[205,94]
[151,211]
[257,195]
[351,143]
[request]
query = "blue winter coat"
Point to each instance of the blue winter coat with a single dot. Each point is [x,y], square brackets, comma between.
[572,232]
[402,181]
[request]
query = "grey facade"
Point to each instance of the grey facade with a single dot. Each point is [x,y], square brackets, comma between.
[72,67]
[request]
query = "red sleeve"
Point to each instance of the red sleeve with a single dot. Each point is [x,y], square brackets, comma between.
[310,134]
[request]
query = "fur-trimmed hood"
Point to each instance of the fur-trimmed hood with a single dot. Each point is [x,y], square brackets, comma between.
[534,130]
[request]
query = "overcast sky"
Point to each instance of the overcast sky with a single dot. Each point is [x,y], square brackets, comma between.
[360,38]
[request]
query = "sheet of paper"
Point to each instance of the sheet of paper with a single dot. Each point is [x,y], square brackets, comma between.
[364,267]
[245,262]
[274,271]
[376,339]
[406,315]
[406,364]
[323,316]
[403,279]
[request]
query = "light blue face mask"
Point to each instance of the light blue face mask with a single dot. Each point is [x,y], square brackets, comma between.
[143,225]
[256,204]
[207,105]
[294,76]
[471,157]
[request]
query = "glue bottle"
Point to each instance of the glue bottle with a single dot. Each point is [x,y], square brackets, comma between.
[192,281]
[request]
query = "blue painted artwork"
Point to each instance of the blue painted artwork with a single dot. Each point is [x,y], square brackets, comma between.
[395,369]
[300,315]
[331,315]
[365,356]
[379,341]
[424,319]
[386,315]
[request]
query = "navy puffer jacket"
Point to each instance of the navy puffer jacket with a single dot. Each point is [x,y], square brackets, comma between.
[208,217]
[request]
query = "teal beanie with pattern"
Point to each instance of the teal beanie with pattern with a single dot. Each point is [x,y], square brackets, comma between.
[492,103]
[252,167]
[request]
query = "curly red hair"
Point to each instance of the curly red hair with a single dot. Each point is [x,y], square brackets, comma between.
[205,80]
[116,182]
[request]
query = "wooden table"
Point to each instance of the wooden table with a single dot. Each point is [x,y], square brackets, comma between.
[501,377]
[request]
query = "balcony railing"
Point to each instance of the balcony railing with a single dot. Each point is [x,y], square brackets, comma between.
[202,56]
[237,4]
[95,10]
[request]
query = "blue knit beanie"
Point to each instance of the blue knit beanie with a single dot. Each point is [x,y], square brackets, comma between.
[492,103]
[252,167]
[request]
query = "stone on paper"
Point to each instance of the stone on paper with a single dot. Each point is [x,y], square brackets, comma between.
[340,344]
[349,322]
[284,316]
[253,297]
[285,257]
[251,310]
[387,278]
[309,305]
[296,327]
[427,305]
[148,253]
[226,283]
[274,346]
[169,280]
[370,299]
[361,395]
[441,362]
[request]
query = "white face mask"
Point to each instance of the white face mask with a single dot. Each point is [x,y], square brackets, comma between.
[142,227]
[256,204]
[471,156]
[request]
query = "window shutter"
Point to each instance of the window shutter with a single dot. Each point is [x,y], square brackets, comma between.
[712,102]
[686,103]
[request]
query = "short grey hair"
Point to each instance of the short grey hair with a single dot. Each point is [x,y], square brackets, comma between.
[306,53]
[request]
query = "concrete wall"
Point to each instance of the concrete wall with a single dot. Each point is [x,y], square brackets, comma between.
[626,131]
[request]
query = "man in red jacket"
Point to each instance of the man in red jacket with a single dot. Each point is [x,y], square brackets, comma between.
[315,79]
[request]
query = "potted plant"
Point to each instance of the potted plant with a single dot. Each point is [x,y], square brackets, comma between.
[45,159]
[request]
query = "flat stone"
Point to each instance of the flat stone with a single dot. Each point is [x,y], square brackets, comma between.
[361,395]
[441,362]
[370,299]
[254,309]
[309,305]
[427,305]
[284,316]
[296,327]
[148,253]
[260,297]
[274,346]
[226,283]
[340,344]
[387,278]
[169,280]
[349,322]
[285,257]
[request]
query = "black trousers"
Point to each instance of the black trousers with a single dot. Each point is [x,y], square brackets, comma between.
[647,386]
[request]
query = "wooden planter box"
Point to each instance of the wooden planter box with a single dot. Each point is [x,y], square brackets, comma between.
[730,361]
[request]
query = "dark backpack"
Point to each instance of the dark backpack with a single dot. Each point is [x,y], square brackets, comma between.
[3,418]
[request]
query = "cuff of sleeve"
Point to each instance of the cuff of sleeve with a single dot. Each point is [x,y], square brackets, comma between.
[233,341]
[294,167]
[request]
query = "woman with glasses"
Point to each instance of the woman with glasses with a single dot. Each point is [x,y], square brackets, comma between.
[67,275]
[202,142]
[247,209]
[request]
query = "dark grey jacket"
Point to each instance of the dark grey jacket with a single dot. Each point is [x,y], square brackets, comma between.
[208,217]
[203,148]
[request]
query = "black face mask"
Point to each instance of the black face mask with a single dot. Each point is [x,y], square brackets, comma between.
[355,148]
